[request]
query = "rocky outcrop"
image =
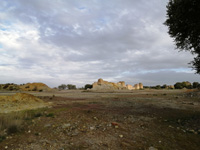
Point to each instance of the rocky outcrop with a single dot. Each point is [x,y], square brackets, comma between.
[130,87]
[35,87]
[170,87]
[105,85]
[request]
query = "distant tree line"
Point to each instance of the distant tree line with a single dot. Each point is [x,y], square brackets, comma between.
[73,87]
[177,85]
[187,85]
[68,86]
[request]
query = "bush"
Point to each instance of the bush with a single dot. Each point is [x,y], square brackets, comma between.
[88,86]
[158,87]
[195,85]
[181,85]
[50,115]
[13,129]
[62,86]
[2,138]
[71,86]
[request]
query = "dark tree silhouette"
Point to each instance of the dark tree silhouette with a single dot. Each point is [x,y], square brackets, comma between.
[183,21]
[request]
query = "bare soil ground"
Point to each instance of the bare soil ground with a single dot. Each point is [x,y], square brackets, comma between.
[137,120]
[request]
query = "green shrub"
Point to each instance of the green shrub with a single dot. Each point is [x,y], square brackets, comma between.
[2,138]
[50,115]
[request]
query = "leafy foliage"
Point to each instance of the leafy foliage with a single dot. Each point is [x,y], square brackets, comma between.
[88,86]
[181,85]
[71,86]
[196,85]
[183,22]
[62,86]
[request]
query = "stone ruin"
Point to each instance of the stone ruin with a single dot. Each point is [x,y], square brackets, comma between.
[105,85]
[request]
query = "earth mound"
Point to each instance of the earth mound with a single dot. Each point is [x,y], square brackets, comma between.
[24,98]
[35,87]
[9,87]
[20,101]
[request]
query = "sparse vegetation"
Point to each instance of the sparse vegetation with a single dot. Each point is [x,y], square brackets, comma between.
[125,116]
[50,115]
[13,122]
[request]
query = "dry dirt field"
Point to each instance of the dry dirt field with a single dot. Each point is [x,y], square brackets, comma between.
[137,120]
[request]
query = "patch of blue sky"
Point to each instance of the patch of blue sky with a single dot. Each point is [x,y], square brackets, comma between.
[126,72]
[6,22]
[183,70]
[1,46]
[3,29]
[7,5]
[103,20]
[5,65]
[187,70]
[82,8]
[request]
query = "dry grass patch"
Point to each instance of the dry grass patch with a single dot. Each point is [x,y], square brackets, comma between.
[11,123]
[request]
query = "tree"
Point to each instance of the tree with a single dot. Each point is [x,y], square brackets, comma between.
[62,86]
[195,85]
[184,84]
[88,86]
[71,86]
[178,85]
[183,22]
[157,87]
[164,86]
[187,85]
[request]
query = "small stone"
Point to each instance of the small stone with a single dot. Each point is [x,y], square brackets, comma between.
[95,118]
[37,134]
[121,136]
[114,123]
[29,131]
[66,125]
[183,130]
[152,148]
[6,147]
[191,131]
[92,128]
[47,125]
[109,125]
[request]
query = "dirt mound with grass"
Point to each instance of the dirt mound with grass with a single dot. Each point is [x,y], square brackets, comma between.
[20,101]
[9,87]
[35,87]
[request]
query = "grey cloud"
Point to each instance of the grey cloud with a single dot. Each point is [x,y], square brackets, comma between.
[111,39]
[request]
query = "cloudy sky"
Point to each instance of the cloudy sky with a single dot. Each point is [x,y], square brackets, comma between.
[79,41]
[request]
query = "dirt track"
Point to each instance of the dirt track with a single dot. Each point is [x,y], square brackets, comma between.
[143,119]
